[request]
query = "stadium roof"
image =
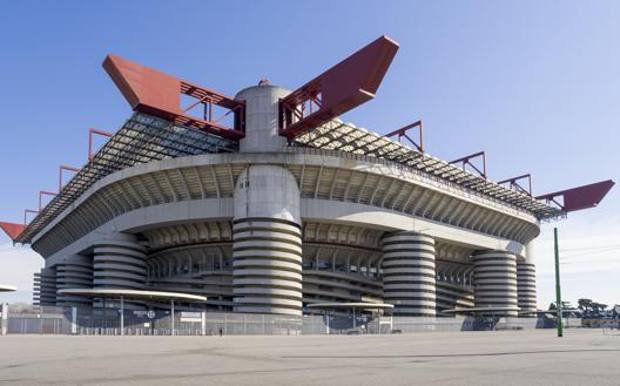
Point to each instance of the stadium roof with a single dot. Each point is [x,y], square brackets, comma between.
[307,117]
[337,135]
[143,138]
[132,294]
[7,288]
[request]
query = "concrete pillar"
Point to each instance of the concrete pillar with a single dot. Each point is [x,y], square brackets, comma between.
[495,281]
[267,270]
[526,283]
[172,321]
[122,316]
[4,318]
[261,118]
[74,312]
[203,323]
[409,281]
[119,262]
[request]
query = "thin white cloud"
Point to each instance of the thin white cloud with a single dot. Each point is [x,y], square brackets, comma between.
[17,266]
[589,259]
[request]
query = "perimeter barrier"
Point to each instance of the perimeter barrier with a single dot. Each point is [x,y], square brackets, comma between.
[100,321]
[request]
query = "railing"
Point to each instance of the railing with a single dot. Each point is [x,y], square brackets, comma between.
[89,321]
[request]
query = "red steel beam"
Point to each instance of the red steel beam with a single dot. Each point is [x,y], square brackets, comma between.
[343,87]
[11,229]
[467,161]
[90,140]
[514,183]
[44,193]
[402,132]
[153,92]
[26,212]
[67,168]
[582,197]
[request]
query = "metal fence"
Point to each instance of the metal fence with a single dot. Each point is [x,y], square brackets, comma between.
[100,321]
[93,321]
[38,324]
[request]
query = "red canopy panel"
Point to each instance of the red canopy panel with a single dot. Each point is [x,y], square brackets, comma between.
[153,92]
[11,229]
[582,197]
[343,87]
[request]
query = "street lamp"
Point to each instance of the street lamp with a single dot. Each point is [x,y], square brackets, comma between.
[558,291]
[570,200]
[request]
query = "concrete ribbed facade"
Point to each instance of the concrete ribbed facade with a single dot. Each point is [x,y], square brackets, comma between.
[451,296]
[409,274]
[119,262]
[495,276]
[44,291]
[267,267]
[273,228]
[267,247]
[74,272]
[341,263]
[526,286]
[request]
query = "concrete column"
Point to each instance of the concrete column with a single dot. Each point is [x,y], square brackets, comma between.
[172,321]
[409,281]
[495,281]
[122,316]
[119,262]
[267,270]
[203,323]
[74,320]
[526,282]
[4,318]
[261,118]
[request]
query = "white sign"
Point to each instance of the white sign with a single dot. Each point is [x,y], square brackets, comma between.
[191,317]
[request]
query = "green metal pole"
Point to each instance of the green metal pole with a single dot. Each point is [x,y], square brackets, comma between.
[558,293]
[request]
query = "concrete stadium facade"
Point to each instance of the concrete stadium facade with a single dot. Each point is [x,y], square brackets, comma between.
[272,228]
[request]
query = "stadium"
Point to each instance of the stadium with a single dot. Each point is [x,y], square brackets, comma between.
[279,207]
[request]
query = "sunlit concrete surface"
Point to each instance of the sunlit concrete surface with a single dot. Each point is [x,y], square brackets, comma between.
[474,358]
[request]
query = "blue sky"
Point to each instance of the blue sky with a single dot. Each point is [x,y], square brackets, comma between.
[534,83]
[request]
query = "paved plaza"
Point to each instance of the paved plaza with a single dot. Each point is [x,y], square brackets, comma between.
[474,358]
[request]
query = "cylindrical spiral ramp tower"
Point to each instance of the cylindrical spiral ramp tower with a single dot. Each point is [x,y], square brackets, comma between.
[526,287]
[495,282]
[267,254]
[45,287]
[409,280]
[74,272]
[119,262]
